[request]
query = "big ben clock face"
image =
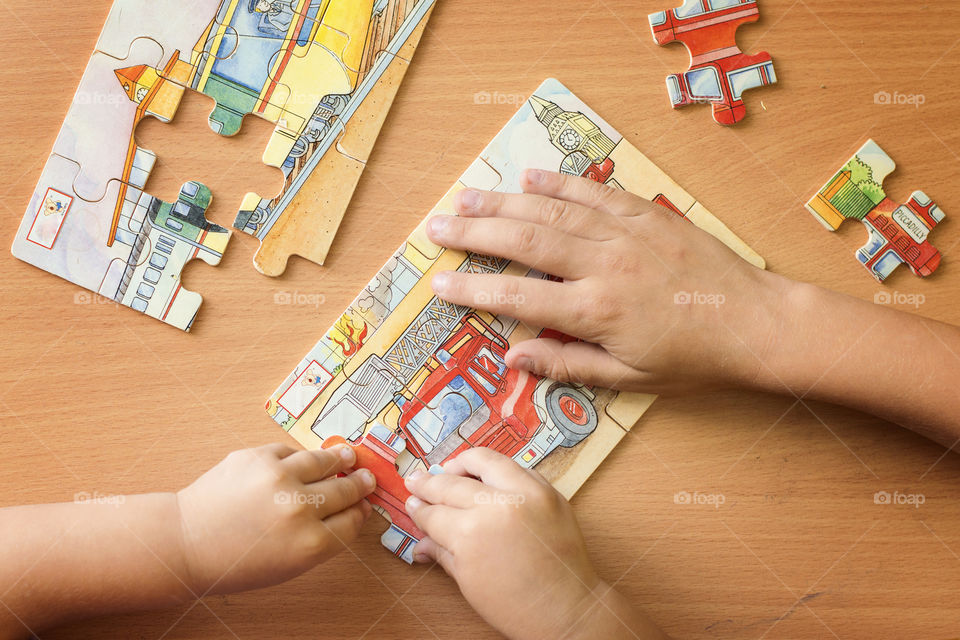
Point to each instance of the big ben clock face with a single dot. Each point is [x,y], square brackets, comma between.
[570,139]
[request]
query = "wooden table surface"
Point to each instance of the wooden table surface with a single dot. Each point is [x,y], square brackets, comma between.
[95,398]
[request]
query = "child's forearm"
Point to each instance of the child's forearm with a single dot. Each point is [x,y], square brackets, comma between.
[613,617]
[895,365]
[64,562]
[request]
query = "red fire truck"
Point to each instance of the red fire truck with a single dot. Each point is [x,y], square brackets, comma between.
[470,398]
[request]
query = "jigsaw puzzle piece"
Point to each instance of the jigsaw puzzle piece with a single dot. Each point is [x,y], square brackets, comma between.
[173,24]
[897,234]
[378,452]
[719,72]
[98,131]
[128,247]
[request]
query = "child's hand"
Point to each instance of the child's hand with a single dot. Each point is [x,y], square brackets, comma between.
[264,516]
[514,547]
[628,267]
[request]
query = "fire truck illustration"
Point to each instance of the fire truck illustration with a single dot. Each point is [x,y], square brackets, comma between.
[719,72]
[464,397]
[471,399]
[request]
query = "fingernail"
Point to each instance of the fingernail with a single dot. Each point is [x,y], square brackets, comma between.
[369,480]
[421,558]
[413,503]
[347,454]
[469,200]
[438,226]
[441,283]
[414,477]
[535,176]
[366,507]
[524,364]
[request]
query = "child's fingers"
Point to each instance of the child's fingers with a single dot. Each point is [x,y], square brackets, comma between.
[536,302]
[576,362]
[346,524]
[542,248]
[561,215]
[449,489]
[583,191]
[276,450]
[427,550]
[312,466]
[337,494]
[492,468]
[436,520]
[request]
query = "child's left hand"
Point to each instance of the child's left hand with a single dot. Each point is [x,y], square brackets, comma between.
[264,516]
[515,549]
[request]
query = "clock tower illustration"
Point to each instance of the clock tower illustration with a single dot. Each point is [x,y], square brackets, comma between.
[572,132]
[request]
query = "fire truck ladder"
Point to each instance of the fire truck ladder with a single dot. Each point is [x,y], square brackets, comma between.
[378,379]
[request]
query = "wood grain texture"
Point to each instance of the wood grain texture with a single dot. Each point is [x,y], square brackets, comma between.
[97,398]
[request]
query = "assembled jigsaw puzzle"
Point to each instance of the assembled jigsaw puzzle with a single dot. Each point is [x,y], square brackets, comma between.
[324,71]
[418,380]
[719,72]
[897,233]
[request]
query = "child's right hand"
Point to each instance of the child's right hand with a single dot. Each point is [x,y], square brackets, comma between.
[515,549]
[266,515]
[628,266]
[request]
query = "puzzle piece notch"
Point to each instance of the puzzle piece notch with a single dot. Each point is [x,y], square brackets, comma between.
[719,71]
[896,234]
[378,452]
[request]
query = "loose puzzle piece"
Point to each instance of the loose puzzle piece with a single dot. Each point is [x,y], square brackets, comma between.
[897,234]
[401,361]
[719,72]
[378,452]
[324,71]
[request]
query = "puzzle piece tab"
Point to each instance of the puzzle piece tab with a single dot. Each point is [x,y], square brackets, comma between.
[378,452]
[719,72]
[897,234]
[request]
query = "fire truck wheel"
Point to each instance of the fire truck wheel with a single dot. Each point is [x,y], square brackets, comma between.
[573,413]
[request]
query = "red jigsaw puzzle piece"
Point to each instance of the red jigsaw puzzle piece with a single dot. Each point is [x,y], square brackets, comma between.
[379,456]
[719,72]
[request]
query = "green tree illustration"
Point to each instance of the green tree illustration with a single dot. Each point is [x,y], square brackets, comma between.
[861,174]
